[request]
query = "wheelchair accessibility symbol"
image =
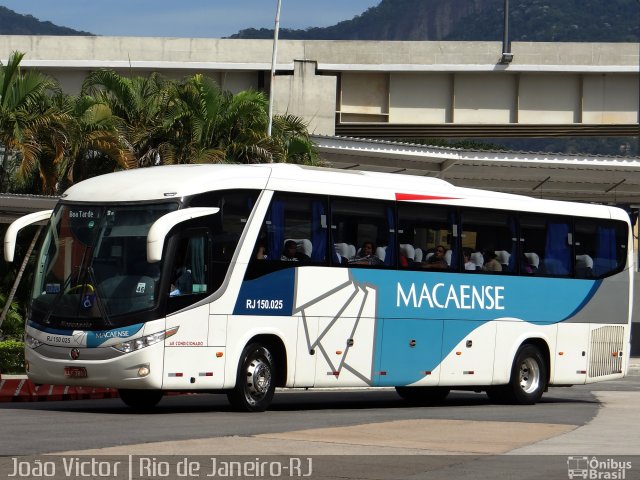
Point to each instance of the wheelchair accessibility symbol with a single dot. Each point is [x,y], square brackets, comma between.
[87,300]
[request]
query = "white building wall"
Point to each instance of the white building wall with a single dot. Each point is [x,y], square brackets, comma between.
[420,97]
[610,98]
[549,98]
[484,98]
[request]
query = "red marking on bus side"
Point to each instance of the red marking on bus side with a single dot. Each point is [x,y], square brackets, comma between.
[413,196]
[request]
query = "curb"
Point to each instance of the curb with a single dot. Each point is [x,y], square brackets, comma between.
[24,390]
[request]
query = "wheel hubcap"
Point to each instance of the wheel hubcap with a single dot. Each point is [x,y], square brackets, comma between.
[529,375]
[258,380]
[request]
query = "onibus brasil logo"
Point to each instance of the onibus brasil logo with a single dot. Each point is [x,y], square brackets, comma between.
[596,469]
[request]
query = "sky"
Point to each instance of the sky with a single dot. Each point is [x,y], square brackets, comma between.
[186,18]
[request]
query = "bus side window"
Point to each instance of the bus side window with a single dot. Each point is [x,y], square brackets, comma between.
[189,273]
[363,233]
[423,229]
[488,238]
[600,246]
[294,233]
[547,242]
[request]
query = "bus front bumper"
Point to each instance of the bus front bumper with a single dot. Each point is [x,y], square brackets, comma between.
[96,367]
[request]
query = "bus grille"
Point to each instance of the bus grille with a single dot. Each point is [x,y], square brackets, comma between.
[606,351]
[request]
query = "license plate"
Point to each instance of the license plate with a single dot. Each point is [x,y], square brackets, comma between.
[75,372]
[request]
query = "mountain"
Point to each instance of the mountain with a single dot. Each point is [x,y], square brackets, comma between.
[12,23]
[529,20]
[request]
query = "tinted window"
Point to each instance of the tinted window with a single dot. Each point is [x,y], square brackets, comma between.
[363,232]
[424,230]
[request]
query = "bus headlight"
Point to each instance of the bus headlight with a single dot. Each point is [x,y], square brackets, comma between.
[145,341]
[31,342]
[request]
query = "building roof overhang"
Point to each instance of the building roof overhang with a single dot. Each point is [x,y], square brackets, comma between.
[587,178]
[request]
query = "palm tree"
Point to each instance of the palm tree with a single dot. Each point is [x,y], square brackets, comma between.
[194,121]
[94,142]
[189,120]
[291,134]
[205,124]
[12,325]
[139,102]
[245,122]
[24,113]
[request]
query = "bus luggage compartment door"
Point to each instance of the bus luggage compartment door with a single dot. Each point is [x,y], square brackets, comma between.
[408,351]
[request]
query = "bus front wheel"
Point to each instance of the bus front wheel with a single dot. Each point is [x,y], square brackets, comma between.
[528,379]
[140,399]
[255,383]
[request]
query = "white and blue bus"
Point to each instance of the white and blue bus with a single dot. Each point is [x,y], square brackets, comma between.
[242,278]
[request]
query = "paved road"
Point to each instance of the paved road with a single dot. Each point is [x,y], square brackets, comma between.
[599,419]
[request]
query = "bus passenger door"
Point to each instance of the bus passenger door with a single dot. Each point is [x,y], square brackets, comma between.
[468,351]
[191,361]
[409,352]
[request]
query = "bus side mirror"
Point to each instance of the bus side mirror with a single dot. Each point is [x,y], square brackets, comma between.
[161,227]
[16,226]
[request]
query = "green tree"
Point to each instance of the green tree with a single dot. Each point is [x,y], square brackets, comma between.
[191,122]
[195,121]
[206,124]
[291,135]
[13,325]
[95,144]
[140,103]
[25,114]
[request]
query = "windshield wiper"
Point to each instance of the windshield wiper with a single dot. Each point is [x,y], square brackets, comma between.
[101,306]
[59,295]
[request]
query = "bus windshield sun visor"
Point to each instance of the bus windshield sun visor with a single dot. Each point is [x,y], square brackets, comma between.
[19,224]
[162,226]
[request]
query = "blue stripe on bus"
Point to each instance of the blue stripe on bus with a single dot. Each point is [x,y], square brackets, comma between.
[92,338]
[54,331]
[97,338]
[420,295]
[270,295]
[441,309]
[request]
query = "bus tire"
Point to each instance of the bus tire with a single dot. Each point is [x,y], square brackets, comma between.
[140,399]
[256,380]
[423,394]
[528,378]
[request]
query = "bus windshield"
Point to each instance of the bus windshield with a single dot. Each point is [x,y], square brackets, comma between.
[93,266]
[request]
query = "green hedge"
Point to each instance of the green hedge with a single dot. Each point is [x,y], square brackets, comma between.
[11,357]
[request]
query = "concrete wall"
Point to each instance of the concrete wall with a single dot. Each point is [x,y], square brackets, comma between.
[354,82]
[305,95]
[360,55]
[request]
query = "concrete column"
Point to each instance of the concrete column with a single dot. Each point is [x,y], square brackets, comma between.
[308,95]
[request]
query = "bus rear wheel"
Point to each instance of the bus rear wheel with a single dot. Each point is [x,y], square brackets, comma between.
[140,399]
[423,394]
[255,383]
[528,379]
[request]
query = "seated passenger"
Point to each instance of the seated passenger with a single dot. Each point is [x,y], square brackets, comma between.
[261,252]
[525,266]
[437,260]
[290,253]
[366,256]
[491,263]
[468,264]
[183,283]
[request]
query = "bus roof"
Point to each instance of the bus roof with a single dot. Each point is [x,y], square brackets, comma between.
[177,181]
